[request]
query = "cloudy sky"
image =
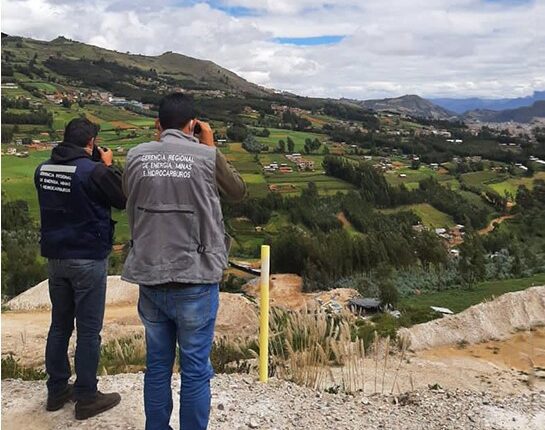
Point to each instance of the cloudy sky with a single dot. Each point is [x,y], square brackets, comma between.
[338,48]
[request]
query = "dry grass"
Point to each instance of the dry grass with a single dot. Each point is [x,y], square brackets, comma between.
[319,351]
[312,349]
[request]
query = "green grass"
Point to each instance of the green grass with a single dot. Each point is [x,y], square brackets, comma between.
[481,179]
[413,176]
[142,122]
[474,199]
[297,136]
[18,178]
[253,178]
[13,369]
[431,217]
[43,86]
[457,300]
[511,185]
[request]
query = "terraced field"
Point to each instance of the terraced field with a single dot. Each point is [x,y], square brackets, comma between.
[430,216]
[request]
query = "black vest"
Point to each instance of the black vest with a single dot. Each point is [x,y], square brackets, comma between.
[74,223]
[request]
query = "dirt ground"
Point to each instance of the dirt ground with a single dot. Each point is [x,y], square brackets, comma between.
[523,351]
[24,333]
[502,347]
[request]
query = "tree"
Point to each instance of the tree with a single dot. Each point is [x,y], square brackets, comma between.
[7,133]
[472,265]
[21,266]
[252,145]
[415,164]
[388,293]
[281,147]
[291,145]
[429,249]
[66,103]
[237,132]
[311,192]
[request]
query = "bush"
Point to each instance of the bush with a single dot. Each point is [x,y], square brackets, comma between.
[230,356]
[13,369]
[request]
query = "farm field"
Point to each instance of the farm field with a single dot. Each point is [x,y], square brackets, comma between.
[412,177]
[431,217]
[483,178]
[457,300]
[510,186]
[297,136]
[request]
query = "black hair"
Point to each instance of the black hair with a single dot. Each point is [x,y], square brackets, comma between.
[79,131]
[176,110]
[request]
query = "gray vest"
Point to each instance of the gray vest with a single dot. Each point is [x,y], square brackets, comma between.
[174,213]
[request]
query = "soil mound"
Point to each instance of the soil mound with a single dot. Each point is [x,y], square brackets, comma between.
[286,291]
[118,292]
[493,320]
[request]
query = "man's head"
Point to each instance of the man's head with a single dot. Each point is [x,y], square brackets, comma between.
[175,111]
[81,132]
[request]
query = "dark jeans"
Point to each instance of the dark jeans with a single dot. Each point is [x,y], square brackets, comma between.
[78,290]
[185,315]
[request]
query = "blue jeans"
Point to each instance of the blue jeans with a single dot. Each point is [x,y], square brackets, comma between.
[77,289]
[186,315]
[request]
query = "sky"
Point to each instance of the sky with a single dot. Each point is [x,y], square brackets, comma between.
[358,49]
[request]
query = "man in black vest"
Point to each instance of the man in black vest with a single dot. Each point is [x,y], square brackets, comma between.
[76,192]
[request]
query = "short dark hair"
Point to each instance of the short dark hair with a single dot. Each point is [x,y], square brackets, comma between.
[79,131]
[176,110]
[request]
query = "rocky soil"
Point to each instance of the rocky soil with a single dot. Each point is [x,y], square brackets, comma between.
[492,320]
[239,402]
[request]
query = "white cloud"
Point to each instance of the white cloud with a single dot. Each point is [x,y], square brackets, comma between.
[428,47]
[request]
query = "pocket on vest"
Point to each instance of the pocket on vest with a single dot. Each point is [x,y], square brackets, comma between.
[164,234]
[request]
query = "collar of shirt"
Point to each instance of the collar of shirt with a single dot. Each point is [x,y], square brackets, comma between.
[172,132]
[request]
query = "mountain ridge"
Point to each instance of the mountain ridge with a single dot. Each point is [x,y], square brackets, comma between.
[463,105]
[409,104]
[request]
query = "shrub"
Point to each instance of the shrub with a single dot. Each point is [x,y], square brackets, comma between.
[13,369]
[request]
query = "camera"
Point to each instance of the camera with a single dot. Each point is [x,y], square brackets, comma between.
[95,156]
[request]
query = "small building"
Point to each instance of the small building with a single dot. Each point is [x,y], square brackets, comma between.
[443,311]
[455,252]
[363,306]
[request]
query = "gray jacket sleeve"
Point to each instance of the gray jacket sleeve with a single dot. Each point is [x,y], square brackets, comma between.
[230,184]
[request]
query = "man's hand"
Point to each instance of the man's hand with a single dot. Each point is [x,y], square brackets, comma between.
[206,136]
[107,156]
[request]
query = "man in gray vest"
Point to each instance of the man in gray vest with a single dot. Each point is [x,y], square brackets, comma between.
[178,252]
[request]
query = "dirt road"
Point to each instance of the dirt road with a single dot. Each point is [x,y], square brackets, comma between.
[493,223]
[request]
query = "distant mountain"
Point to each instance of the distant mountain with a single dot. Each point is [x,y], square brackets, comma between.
[412,105]
[523,114]
[70,58]
[464,105]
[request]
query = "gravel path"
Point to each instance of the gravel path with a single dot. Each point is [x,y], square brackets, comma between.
[241,403]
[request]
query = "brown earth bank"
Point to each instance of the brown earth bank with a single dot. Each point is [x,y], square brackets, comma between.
[240,402]
[25,327]
[495,346]
[524,351]
[493,320]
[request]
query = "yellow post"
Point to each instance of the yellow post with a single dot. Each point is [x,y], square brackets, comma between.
[264,315]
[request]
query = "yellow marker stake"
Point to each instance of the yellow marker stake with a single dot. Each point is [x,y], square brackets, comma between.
[264,315]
